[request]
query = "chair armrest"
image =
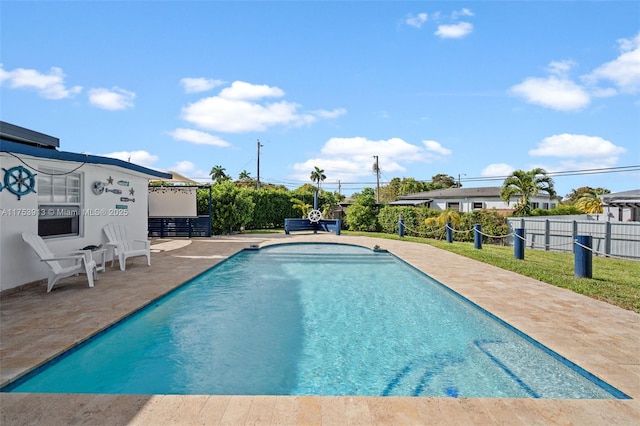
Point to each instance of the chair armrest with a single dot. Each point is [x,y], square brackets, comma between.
[146,243]
[76,256]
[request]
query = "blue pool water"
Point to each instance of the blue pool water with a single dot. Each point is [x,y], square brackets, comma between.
[315,319]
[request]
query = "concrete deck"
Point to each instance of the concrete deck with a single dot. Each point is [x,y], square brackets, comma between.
[35,326]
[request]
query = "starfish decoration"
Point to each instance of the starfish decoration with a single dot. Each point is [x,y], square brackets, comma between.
[109,180]
[131,191]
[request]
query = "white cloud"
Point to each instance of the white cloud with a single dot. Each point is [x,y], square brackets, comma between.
[560,68]
[434,146]
[241,90]
[497,170]
[49,86]
[552,92]
[572,146]
[239,109]
[197,137]
[417,20]
[561,93]
[142,158]
[330,114]
[111,99]
[352,158]
[196,85]
[462,12]
[190,170]
[459,30]
[624,71]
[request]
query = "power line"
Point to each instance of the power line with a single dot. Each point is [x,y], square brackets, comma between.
[363,184]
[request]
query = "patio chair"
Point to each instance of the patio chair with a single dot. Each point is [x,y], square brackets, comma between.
[123,246]
[83,262]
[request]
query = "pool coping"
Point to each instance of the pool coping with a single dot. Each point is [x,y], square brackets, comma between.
[601,338]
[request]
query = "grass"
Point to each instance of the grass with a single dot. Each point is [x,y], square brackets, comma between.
[614,281]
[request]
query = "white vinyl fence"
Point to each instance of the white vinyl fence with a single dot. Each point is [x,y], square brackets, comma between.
[615,239]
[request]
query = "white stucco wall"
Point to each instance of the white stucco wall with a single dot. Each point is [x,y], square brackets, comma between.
[466,204]
[18,263]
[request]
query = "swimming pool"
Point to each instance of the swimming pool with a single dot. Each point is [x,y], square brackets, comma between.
[315,319]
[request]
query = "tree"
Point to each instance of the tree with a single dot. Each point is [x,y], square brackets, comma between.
[526,185]
[304,208]
[590,202]
[362,214]
[218,174]
[244,175]
[575,194]
[317,176]
[232,208]
[442,181]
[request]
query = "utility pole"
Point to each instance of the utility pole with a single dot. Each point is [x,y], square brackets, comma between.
[376,167]
[459,184]
[258,180]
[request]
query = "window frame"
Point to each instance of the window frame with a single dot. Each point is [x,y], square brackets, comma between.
[60,201]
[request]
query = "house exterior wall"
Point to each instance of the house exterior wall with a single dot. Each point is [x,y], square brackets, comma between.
[18,263]
[467,205]
[621,214]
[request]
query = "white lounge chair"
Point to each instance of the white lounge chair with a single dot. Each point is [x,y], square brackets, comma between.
[123,246]
[83,262]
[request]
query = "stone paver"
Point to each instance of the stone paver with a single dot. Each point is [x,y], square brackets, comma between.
[35,326]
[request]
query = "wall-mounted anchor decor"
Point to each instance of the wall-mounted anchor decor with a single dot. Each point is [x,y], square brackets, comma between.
[19,181]
[115,191]
[123,183]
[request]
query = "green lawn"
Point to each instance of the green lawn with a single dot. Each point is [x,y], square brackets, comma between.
[614,281]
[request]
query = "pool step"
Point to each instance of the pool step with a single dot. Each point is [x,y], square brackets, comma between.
[510,360]
[417,376]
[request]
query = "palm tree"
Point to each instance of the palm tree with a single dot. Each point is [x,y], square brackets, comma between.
[218,174]
[244,175]
[317,176]
[590,202]
[526,185]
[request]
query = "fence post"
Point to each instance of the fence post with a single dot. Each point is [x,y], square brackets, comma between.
[477,236]
[518,244]
[449,232]
[607,238]
[401,226]
[547,234]
[583,256]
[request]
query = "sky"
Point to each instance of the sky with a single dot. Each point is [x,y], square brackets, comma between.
[472,89]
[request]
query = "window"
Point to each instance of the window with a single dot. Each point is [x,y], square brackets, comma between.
[545,206]
[535,206]
[453,206]
[59,202]
[478,205]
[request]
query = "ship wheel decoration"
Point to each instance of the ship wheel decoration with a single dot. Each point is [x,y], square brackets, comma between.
[19,181]
[315,216]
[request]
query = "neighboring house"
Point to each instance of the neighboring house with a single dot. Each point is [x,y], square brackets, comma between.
[469,199]
[622,206]
[64,197]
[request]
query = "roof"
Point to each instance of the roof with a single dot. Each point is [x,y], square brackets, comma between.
[53,154]
[631,194]
[14,133]
[406,202]
[177,178]
[622,199]
[479,192]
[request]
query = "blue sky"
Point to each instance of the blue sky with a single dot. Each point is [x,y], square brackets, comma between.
[471,89]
